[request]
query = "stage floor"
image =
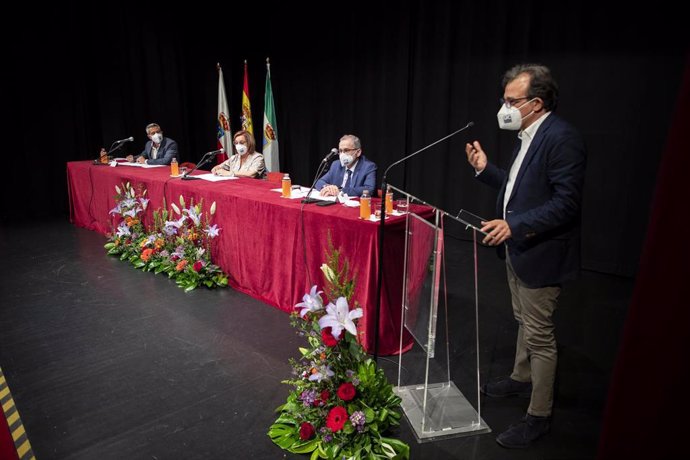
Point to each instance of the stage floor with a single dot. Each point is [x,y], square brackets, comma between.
[105,361]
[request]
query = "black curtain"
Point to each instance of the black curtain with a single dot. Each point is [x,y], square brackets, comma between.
[400,75]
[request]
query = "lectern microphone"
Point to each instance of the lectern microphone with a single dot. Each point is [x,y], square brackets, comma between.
[377,313]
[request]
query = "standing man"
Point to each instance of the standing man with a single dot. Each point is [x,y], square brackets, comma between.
[159,150]
[538,231]
[352,174]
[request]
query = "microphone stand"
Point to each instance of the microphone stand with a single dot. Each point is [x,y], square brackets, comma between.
[319,171]
[204,159]
[379,284]
[110,150]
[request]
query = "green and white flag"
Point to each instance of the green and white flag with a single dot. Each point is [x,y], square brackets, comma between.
[270,145]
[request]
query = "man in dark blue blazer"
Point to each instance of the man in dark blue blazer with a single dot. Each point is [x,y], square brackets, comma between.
[159,150]
[538,232]
[352,174]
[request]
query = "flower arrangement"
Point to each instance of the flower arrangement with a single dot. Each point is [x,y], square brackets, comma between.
[341,404]
[177,243]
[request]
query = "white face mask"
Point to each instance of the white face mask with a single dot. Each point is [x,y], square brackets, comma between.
[157,138]
[346,159]
[241,148]
[510,118]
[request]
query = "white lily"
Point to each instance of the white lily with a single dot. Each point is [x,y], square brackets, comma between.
[328,273]
[339,317]
[323,372]
[311,302]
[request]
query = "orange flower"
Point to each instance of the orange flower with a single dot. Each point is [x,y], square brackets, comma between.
[130,222]
[159,243]
[181,265]
[146,254]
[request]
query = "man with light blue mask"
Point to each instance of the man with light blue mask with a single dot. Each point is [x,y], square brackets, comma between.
[352,174]
[537,230]
[159,150]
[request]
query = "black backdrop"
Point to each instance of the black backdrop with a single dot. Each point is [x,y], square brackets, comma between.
[398,74]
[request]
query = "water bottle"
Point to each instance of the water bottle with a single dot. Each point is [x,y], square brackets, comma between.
[287,186]
[174,169]
[365,205]
[389,201]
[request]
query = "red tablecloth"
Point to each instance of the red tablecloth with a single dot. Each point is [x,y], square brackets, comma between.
[261,245]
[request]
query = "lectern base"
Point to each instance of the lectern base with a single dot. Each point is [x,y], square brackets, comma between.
[448,413]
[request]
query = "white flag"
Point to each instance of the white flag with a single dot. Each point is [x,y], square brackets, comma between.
[223,132]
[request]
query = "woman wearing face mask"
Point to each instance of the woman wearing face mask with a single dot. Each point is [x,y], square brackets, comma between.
[159,150]
[246,163]
[353,174]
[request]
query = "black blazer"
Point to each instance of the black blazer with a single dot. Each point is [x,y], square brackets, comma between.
[543,211]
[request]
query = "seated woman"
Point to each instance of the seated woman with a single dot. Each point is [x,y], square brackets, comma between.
[246,163]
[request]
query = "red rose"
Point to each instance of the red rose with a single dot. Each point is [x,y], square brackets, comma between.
[336,418]
[198,266]
[346,391]
[325,394]
[306,431]
[328,338]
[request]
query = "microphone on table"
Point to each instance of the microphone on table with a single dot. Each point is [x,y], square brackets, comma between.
[323,164]
[330,155]
[113,147]
[204,159]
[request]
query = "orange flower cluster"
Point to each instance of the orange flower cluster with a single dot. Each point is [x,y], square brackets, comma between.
[146,254]
[131,221]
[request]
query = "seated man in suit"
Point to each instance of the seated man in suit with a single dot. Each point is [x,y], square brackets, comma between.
[159,150]
[352,174]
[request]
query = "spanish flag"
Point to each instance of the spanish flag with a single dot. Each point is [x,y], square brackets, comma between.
[246,107]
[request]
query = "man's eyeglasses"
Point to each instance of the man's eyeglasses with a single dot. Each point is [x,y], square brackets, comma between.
[509,102]
[346,150]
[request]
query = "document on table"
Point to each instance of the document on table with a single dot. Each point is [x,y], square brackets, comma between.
[301,192]
[213,178]
[139,165]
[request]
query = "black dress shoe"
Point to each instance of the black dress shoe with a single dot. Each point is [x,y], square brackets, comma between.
[508,387]
[523,434]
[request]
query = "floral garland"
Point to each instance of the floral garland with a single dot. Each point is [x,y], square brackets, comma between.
[342,404]
[181,248]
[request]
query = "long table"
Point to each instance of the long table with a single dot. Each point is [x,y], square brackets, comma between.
[261,244]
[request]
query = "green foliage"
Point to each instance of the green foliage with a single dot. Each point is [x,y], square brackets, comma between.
[339,281]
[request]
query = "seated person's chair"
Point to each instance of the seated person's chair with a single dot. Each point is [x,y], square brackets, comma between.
[275,176]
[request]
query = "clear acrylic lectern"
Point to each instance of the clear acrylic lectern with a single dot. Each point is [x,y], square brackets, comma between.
[435,404]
